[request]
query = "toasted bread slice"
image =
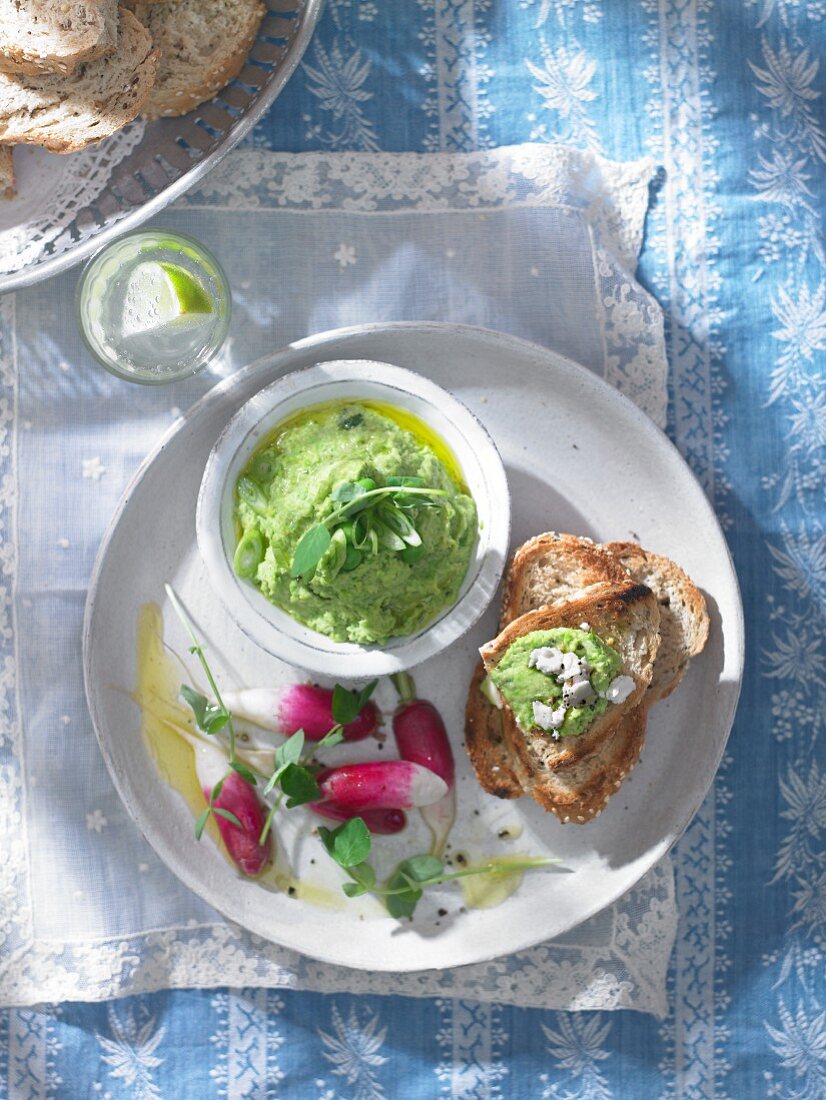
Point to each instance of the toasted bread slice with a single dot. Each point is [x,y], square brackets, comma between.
[683,614]
[552,567]
[67,113]
[577,792]
[626,613]
[8,186]
[55,36]
[485,742]
[203,45]
[548,568]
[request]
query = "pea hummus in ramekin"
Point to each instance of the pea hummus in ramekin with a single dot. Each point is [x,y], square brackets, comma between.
[353,518]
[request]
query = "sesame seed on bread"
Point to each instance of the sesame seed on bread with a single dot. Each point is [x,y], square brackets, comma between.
[203,45]
[42,36]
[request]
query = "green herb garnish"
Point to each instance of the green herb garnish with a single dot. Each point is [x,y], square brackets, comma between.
[293,770]
[368,516]
[350,845]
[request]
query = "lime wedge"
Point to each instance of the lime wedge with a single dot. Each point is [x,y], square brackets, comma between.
[159,295]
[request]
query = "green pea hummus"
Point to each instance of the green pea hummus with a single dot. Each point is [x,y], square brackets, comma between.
[287,488]
[520,685]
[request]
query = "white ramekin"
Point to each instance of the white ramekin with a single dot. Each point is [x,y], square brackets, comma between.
[273,629]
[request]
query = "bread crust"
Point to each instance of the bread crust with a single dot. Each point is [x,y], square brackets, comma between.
[575,563]
[485,742]
[8,184]
[576,800]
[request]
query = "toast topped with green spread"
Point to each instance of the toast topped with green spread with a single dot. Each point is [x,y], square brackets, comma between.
[573,766]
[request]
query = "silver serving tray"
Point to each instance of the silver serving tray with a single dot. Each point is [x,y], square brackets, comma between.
[175,153]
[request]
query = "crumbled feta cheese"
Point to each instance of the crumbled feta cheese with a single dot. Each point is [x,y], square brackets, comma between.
[619,689]
[578,693]
[546,717]
[547,659]
[586,627]
[570,666]
[491,692]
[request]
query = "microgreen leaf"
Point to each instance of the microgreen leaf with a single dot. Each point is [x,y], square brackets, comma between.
[403,903]
[285,755]
[198,703]
[345,705]
[197,649]
[216,790]
[404,481]
[348,705]
[347,490]
[327,838]
[353,889]
[290,752]
[244,772]
[349,844]
[422,868]
[363,873]
[216,721]
[299,785]
[334,737]
[310,550]
[228,815]
[200,824]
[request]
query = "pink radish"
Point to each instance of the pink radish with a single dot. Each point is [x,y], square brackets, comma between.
[383,822]
[422,738]
[239,798]
[298,706]
[381,785]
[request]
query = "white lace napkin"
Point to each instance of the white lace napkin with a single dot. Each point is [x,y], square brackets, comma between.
[514,239]
[51,190]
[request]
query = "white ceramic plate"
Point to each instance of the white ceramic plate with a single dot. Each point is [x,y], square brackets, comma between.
[275,631]
[579,458]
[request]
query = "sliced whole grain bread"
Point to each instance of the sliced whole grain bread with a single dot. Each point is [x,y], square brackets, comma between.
[684,619]
[549,568]
[67,113]
[576,792]
[203,44]
[563,566]
[552,567]
[8,186]
[54,36]
[579,791]
[627,617]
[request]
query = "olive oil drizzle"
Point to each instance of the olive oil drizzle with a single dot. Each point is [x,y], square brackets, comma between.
[405,419]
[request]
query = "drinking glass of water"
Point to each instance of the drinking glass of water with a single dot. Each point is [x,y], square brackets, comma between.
[153,306]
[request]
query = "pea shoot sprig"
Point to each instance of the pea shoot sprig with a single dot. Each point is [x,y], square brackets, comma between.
[367,516]
[294,770]
[210,718]
[349,846]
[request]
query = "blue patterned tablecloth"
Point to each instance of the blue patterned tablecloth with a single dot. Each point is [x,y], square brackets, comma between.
[728,97]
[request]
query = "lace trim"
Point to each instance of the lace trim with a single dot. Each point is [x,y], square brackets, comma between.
[52,191]
[613,195]
[628,971]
